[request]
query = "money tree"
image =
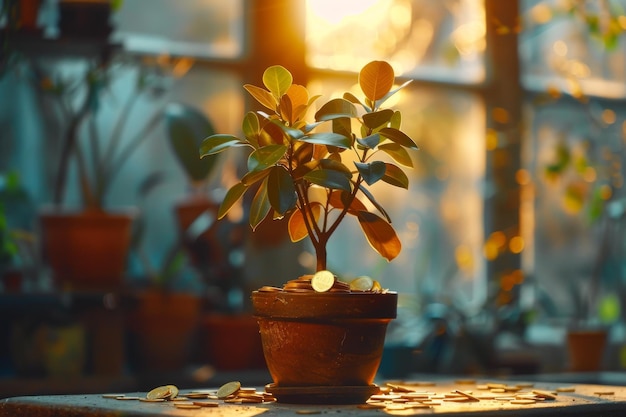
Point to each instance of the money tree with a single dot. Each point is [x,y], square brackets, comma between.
[317,172]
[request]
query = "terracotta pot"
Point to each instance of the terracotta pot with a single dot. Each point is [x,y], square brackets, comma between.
[163,326]
[323,339]
[203,247]
[28,15]
[230,342]
[87,250]
[586,349]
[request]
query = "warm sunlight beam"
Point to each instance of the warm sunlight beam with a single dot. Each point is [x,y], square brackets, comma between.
[333,11]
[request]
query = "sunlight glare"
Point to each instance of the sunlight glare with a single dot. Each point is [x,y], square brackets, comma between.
[333,11]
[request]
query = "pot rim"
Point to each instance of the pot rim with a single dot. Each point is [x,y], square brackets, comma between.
[324,305]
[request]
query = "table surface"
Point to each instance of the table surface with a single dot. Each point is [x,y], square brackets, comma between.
[443,397]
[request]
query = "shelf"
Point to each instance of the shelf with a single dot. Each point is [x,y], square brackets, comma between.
[193,377]
[69,48]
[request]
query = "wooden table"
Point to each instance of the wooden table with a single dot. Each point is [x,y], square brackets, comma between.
[447,398]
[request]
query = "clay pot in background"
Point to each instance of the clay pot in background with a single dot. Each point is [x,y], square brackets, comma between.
[586,349]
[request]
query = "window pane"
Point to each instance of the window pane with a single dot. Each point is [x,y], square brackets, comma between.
[440,40]
[575,152]
[211,28]
[574,46]
[439,219]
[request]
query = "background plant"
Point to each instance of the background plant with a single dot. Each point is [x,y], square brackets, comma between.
[302,172]
[78,104]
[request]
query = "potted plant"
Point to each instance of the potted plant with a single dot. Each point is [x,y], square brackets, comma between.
[322,337]
[87,247]
[228,337]
[163,321]
[206,242]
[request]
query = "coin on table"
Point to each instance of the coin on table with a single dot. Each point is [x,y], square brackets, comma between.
[228,389]
[187,406]
[361,284]
[112,395]
[164,392]
[323,281]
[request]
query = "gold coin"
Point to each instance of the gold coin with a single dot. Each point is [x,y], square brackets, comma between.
[206,403]
[173,391]
[566,389]
[361,284]
[268,288]
[152,400]
[523,401]
[187,406]
[323,281]
[196,395]
[227,389]
[544,394]
[467,395]
[112,395]
[165,392]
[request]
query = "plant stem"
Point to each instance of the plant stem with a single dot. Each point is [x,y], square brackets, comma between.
[68,146]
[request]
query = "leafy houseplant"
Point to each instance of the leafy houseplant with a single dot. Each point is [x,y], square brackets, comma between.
[75,242]
[322,338]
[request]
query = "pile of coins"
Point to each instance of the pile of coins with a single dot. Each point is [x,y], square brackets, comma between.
[326,281]
[404,397]
[231,392]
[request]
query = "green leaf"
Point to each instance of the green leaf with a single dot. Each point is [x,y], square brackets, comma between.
[370,141]
[377,119]
[342,126]
[302,152]
[372,200]
[395,176]
[254,177]
[398,137]
[280,190]
[271,133]
[396,120]
[371,172]
[277,79]
[262,96]
[186,126]
[376,79]
[328,139]
[392,92]
[266,157]
[340,199]
[260,206]
[596,204]
[232,196]
[334,109]
[250,125]
[380,235]
[290,131]
[398,153]
[335,164]
[329,178]
[353,99]
[218,143]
